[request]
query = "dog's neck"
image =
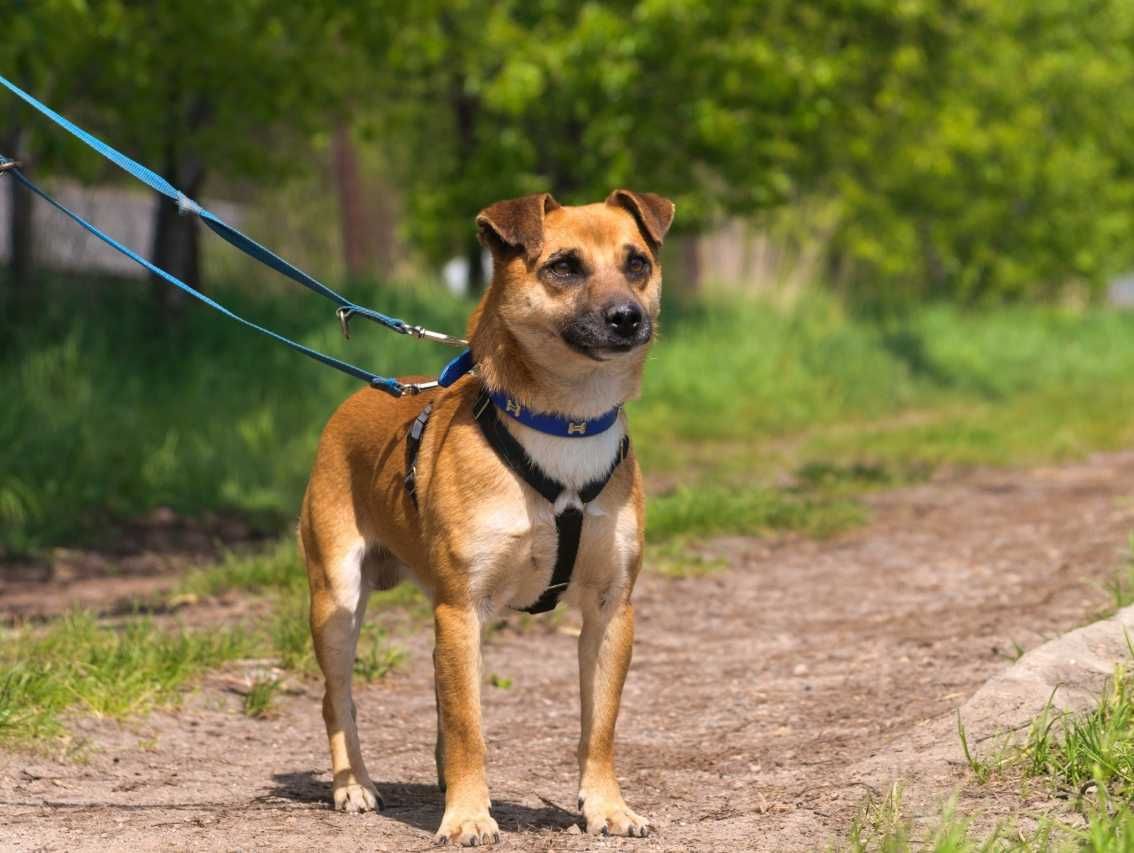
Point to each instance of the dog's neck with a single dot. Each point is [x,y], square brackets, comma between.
[548,385]
[547,382]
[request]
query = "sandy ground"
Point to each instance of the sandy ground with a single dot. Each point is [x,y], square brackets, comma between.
[764,701]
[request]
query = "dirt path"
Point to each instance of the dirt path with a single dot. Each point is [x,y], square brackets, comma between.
[762,702]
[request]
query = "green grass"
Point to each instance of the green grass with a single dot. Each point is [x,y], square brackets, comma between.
[1088,755]
[260,698]
[79,663]
[710,509]
[1121,584]
[1083,759]
[110,411]
[276,567]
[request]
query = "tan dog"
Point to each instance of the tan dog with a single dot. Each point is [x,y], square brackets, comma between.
[563,328]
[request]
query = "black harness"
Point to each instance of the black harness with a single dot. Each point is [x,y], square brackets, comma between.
[568,523]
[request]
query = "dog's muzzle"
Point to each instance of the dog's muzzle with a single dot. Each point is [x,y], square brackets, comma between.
[618,326]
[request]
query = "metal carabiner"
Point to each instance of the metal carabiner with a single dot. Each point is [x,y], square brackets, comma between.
[344,320]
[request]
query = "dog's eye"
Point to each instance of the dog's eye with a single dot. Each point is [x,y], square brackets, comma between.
[563,269]
[636,265]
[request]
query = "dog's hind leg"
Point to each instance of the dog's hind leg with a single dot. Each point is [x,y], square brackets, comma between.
[338,602]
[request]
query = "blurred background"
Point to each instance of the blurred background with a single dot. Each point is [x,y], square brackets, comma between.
[903,242]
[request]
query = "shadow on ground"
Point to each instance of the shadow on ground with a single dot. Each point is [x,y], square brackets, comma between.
[419,806]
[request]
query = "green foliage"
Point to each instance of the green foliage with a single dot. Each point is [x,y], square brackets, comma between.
[183,86]
[719,105]
[973,150]
[969,149]
[988,159]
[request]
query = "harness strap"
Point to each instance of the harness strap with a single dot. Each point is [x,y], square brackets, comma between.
[413,445]
[569,522]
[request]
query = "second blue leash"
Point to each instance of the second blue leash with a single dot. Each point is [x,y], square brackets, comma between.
[218,226]
[383,383]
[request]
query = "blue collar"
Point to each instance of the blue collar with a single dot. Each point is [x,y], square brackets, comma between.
[546,422]
[554,424]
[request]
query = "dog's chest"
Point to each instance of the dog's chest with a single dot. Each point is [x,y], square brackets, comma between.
[513,551]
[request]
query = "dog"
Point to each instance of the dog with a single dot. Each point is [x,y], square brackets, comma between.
[513,487]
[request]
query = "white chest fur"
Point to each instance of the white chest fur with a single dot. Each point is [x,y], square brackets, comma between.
[575,461]
[513,543]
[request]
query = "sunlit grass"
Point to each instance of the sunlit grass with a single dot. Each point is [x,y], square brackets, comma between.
[104,419]
[708,509]
[1085,759]
[79,663]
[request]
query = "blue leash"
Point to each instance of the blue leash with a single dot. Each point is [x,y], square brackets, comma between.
[234,237]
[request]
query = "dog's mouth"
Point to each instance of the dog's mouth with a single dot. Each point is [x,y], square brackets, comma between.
[589,336]
[601,352]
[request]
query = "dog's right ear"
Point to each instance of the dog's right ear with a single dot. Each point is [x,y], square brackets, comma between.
[515,224]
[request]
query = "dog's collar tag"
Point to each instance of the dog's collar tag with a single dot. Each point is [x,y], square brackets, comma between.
[553,424]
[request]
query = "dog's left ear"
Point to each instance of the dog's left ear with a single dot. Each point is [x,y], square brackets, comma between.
[515,224]
[653,212]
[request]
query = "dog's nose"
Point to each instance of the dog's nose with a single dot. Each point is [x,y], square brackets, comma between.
[623,318]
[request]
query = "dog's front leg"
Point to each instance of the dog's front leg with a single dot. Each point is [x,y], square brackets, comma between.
[457,663]
[605,647]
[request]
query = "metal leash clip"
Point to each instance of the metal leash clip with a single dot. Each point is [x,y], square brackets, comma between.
[422,333]
[7,165]
[346,312]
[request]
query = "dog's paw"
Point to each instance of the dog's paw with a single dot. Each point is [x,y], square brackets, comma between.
[355,798]
[611,816]
[463,828]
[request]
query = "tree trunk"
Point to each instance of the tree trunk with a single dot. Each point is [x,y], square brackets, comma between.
[354,216]
[465,111]
[691,263]
[474,256]
[20,231]
[177,235]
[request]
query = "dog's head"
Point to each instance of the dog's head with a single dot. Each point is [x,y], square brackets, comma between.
[577,287]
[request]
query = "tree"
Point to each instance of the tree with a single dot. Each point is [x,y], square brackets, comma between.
[42,51]
[210,87]
[990,159]
[716,104]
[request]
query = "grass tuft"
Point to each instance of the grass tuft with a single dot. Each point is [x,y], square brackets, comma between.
[376,658]
[259,700]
